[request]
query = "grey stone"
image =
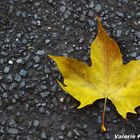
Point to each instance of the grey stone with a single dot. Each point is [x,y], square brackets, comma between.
[44,94]
[50,1]
[134,54]
[81,40]
[24,41]
[120,14]
[54,35]
[62,127]
[13,131]
[18,35]
[12,86]
[40,52]
[10,62]
[76,132]
[47,41]
[18,13]
[41,110]
[36,59]
[91,23]
[1,61]
[36,123]
[98,8]
[6,69]
[9,77]
[69,135]
[23,72]
[99,119]
[17,78]
[118,33]
[91,14]
[1,77]
[22,84]
[19,61]
[137,34]
[62,9]
[82,17]
[43,135]
[91,4]
[138,13]
[61,137]
[67,14]
[55,101]
[5,95]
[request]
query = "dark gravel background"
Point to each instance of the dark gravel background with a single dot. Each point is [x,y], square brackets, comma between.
[32,105]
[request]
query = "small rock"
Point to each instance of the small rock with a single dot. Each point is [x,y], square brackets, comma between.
[41,110]
[6,69]
[40,52]
[17,78]
[5,95]
[55,101]
[10,62]
[62,127]
[1,77]
[82,17]
[118,33]
[138,58]
[13,131]
[69,135]
[120,14]
[22,84]
[36,59]
[98,8]
[50,1]
[76,132]
[137,34]
[12,86]
[67,14]
[91,14]
[23,72]
[91,23]
[44,94]
[19,61]
[54,35]
[43,135]
[62,9]
[99,119]
[91,4]
[134,54]
[47,41]
[9,77]
[36,123]
[81,40]
[61,137]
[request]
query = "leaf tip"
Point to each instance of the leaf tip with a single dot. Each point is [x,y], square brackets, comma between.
[103,128]
[50,56]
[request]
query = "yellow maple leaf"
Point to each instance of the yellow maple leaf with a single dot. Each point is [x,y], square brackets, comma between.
[107,77]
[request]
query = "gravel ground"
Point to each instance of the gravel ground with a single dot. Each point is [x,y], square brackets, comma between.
[32,105]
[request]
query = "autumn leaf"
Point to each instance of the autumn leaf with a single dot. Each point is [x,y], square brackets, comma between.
[107,77]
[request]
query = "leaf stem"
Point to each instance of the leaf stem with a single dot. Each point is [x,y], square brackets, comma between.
[103,128]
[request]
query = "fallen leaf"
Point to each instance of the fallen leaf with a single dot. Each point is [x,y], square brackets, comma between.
[107,77]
